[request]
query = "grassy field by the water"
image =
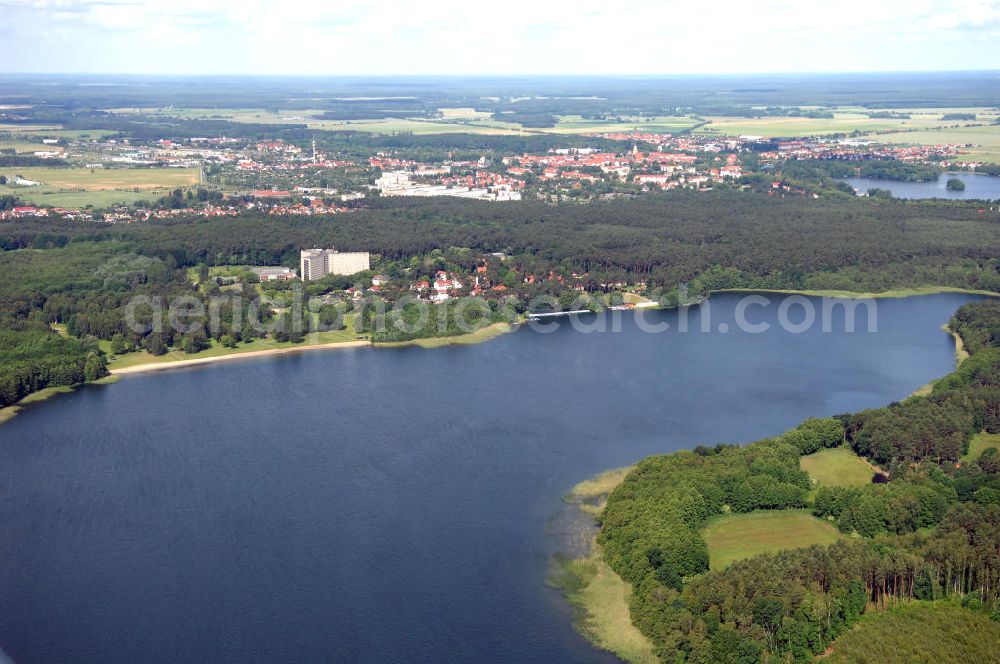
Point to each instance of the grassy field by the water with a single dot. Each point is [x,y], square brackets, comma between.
[601,599]
[737,536]
[837,467]
[599,596]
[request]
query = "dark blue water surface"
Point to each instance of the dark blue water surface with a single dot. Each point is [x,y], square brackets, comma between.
[978,186]
[377,505]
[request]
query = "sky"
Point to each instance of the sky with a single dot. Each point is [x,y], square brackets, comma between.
[401,37]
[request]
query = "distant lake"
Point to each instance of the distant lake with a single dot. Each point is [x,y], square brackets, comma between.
[977,186]
[386,505]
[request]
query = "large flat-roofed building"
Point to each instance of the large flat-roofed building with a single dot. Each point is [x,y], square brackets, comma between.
[276,273]
[316,263]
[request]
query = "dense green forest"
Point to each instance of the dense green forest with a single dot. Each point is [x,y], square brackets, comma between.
[931,531]
[761,241]
[814,169]
[920,632]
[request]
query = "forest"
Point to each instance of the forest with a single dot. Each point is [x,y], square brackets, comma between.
[666,239]
[585,95]
[81,275]
[813,169]
[929,529]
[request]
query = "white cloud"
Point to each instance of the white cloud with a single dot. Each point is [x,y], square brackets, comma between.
[514,36]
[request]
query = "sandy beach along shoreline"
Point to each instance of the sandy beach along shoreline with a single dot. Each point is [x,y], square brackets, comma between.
[173,364]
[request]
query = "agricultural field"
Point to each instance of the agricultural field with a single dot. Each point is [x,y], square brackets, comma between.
[454,120]
[926,126]
[985,138]
[574,124]
[420,126]
[787,127]
[79,187]
[461,122]
[738,536]
[464,114]
[54,131]
[21,146]
[27,128]
[837,467]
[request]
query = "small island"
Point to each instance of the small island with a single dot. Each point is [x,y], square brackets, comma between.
[954,184]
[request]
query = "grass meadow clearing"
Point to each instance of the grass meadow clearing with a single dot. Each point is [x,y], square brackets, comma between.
[737,536]
[837,467]
[980,443]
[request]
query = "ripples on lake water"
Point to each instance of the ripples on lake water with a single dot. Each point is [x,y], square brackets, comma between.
[389,504]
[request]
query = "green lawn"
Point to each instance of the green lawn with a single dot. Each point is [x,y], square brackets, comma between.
[837,467]
[980,443]
[737,536]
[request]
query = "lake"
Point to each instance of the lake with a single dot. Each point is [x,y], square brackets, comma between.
[381,505]
[977,186]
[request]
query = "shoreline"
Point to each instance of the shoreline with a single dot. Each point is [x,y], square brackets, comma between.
[960,356]
[494,330]
[196,361]
[898,293]
[598,595]
[8,413]
[484,334]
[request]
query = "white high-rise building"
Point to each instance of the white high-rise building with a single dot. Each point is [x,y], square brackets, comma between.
[315,263]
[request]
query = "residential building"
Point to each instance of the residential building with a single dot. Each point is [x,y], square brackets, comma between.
[316,263]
